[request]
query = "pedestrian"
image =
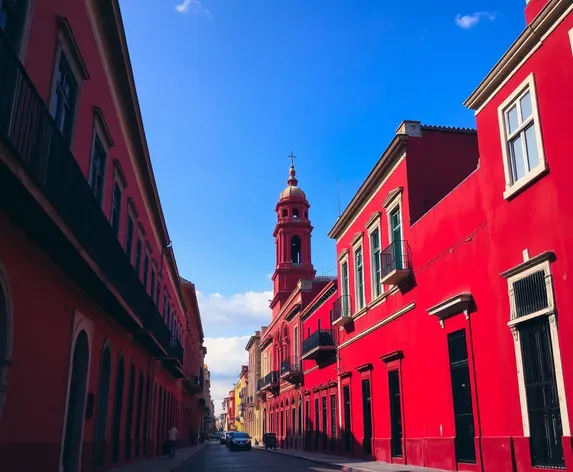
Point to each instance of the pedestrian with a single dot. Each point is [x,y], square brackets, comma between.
[172,437]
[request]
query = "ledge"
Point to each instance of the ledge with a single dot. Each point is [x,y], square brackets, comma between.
[528,264]
[343,254]
[357,237]
[373,219]
[452,306]
[391,196]
[364,367]
[392,356]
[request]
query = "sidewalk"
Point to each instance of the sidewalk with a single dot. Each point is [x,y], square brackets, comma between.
[348,464]
[163,463]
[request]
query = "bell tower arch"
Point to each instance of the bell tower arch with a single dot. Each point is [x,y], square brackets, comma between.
[292,238]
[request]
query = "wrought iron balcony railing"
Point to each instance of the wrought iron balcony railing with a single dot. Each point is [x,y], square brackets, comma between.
[319,342]
[29,132]
[269,380]
[395,262]
[193,385]
[291,367]
[341,310]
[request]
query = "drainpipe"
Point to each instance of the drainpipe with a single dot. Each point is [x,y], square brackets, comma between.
[466,313]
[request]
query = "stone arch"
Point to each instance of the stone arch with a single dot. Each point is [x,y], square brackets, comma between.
[6,320]
[102,409]
[76,402]
[118,408]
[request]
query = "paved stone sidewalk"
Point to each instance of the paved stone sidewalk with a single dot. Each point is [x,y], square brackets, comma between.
[348,464]
[162,463]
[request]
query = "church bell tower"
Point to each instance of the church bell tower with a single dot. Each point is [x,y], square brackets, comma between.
[292,238]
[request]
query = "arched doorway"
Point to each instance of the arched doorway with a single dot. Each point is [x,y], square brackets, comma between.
[102,406]
[5,338]
[76,404]
[117,409]
[138,415]
[130,398]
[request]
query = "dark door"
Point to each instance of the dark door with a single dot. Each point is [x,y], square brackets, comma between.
[332,422]
[367,417]
[130,401]
[117,409]
[396,230]
[461,388]
[324,423]
[395,413]
[102,407]
[347,418]
[307,440]
[545,426]
[316,423]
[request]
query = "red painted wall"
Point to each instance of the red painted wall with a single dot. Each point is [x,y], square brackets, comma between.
[38,389]
[463,244]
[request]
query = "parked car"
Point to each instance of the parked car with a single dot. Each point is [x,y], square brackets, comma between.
[223,437]
[240,441]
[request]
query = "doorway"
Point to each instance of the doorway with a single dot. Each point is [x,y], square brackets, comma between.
[76,404]
[102,407]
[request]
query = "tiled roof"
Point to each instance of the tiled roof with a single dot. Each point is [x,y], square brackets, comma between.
[449,128]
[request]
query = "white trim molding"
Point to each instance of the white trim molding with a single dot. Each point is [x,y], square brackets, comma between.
[460,303]
[358,247]
[375,226]
[529,267]
[571,38]
[513,103]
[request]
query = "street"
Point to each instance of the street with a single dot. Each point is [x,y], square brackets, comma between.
[215,457]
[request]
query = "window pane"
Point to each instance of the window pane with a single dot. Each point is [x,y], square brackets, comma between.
[531,144]
[512,121]
[517,160]
[525,104]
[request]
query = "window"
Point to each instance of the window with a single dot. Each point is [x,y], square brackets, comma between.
[97,169]
[359,271]
[146,269]
[295,345]
[158,292]
[345,285]
[13,15]
[522,144]
[375,254]
[164,304]
[116,206]
[138,250]
[129,237]
[542,393]
[153,283]
[65,97]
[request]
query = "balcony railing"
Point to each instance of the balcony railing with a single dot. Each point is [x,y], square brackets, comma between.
[268,381]
[192,384]
[322,341]
[291,368]
[395,263]
[341,310]
[29,132]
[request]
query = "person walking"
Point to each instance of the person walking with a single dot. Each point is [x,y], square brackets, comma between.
[172,437]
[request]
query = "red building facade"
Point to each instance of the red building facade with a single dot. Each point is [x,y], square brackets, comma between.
[450,317]
[99,336]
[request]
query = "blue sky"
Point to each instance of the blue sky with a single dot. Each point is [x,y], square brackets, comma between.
[229,87]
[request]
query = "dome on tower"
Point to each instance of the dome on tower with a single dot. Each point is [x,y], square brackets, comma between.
[293,190]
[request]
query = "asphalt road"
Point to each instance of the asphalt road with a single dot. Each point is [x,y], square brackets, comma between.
[217,458]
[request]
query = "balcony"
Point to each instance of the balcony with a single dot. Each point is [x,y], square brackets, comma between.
[173,362]
[341,313]
[291,369]
[191,384]
[269,381]
[319,344]
[45,192]
[395,263]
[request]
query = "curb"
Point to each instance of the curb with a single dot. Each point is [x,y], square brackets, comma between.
[175,468]
[345,468]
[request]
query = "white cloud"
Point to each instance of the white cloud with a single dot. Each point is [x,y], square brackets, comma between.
[224,316]
[225,356]
[194,6]
[469,21]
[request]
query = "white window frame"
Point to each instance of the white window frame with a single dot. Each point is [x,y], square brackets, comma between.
[571,38]
[550,312]
[295,339]
[375,225]
[98,132]
[359,246]
[511,187]
[67,45]
[131,214]
[390,206]
[344,290]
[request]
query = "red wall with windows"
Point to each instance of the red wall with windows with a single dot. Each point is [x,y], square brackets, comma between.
[39,390]
[462,245]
